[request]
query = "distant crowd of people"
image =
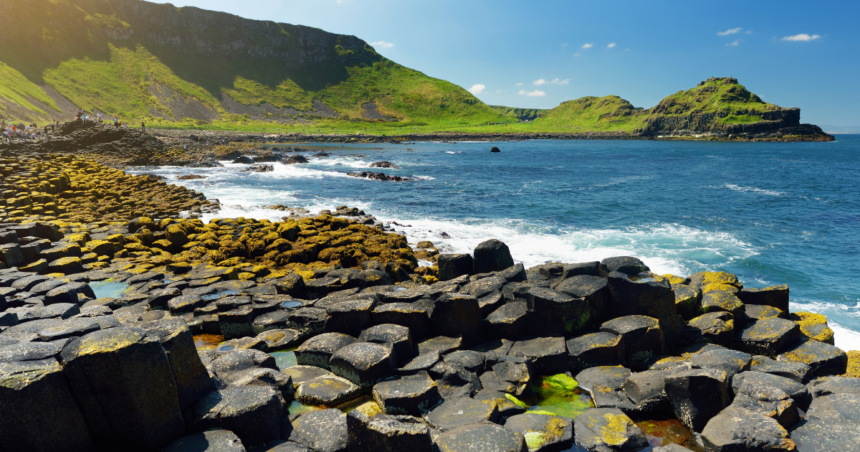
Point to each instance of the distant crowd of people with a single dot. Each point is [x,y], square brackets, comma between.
[82,116]
[33,132]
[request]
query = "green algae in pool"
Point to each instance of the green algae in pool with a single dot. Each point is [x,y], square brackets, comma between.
[284,358]
[207,341]
[663,433]
[108,289]
[557,394]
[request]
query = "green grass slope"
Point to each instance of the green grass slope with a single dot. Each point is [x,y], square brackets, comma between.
[609,113]
[725,98]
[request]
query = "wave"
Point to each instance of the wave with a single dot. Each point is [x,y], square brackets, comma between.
[453,152]
[845,338]
[423,177]
[340,161]
[760,191]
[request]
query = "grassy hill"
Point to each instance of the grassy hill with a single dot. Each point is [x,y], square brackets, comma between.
[190,67]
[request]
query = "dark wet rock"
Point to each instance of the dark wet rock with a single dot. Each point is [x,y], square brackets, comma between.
[279,339]
[384,164]
[292,284]
[736,429]
[593,289]
[259,376]
[350,316]
[28,282]
[185,303]
[236,323]
[11,255]
[118,373]
[628,265]
[724,359]
[595,349]
[516,273]
[69,293]
[541,432]
[28,351]
[396,336]
[158,298]
[320,431]
[471,360]
[227,304]
[270,321]
[192,379]
[793,389]
[236,360]
[687,300]
[327,390]
[647,390]
[491,256]
[552,313]
[38,411]
[414,395]
[421,362]
[843,408]
[825,386]
[547,355]
[716,327]
[386,433]
[697,395]
[211,441]
[454,265]
[768,401]
[483,437]
[761,312]
[642,336]
[28,331]
[647,298]
[823,359]
[253,413]
[723,301]
[605,376]
[507,405]
[798,372]
[259,169]
[461,411]
[814,435]
[73,328]
[364,363]
[767,337]
[457,315]
[318,350]
[244,160]
[439,344]
[300,374]
[606,429]
[308,321]
[775,296]
[507,322]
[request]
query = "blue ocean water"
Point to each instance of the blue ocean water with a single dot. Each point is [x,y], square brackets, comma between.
[772,213]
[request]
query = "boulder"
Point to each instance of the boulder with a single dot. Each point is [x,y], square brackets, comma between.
[647,298]
[397,336]
[793,389]
[510,376]
[547,355]
[687,300]
[69,293]
[823,359]
[457,315]
[211,441]
[815,435]
[364,363]
[300,374]
[454,265]
[796,371]
[606,429]
[118,373]
[722,301]
[767,337]
[415,316]
[507,404]
[483,437]
[552,313]
[715,327]
[254,413]
[595,291]
[737,429]
[318,350]
[624,264]
[319,431]
[420,363]
[386,433]
[697,395]
[507,322]
[768,401]
[724,359]
[327,390]
[414,395]
[38,411]
[350,316]
[595,349]
[604,376]
[642,337]
[647,390]
[775,296]
[542,433]
[459,411]
[762,312]
[492,256]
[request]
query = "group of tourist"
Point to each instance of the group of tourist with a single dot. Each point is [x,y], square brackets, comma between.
[25,132]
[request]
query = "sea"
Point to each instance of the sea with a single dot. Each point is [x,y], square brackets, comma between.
[771,213]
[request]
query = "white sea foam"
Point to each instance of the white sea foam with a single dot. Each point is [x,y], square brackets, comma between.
[760,191]
[423,177]
[453,152]
[341,161]
[844,338]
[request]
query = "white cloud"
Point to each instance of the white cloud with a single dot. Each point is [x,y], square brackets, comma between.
[555,81]
[611,45]
[540,82]
[535,93]
[383,44]
[730,31]
[520,84]
[735,43]
[564,82]
[477,89]
[802,37]
[587,46]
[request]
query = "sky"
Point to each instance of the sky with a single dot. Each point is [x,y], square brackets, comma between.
[538,54]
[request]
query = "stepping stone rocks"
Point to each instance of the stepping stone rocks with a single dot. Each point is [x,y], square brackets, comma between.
[767,337]
[461,411]
[300,374]
[722,301]
[552,313]
[318,350]
[254,413]
[510,377]
[37,409]
[414,395]
[327,390]
[595,349]
[606,429]
[697,395]
[775,296]
[69,293]
[364,363]
[648,391]
[792,388]
[211,441]
[385,433]
[727,360]
[798,372]
[593,289]
[454,265]
[716,327]
[642,337]
[768,401]
[605,376]
[547,355]
[737,429]
[480,437]
[507,322]
[118,373]
[628,265]
[320,431]
[397,336]
[541,432]
[414,316]
[492,256]
[457,315]
[823,359]
[350,316]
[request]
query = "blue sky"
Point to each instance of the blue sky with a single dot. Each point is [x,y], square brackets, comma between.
[538,54]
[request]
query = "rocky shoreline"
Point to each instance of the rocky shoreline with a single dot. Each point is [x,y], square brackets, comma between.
[322,333]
